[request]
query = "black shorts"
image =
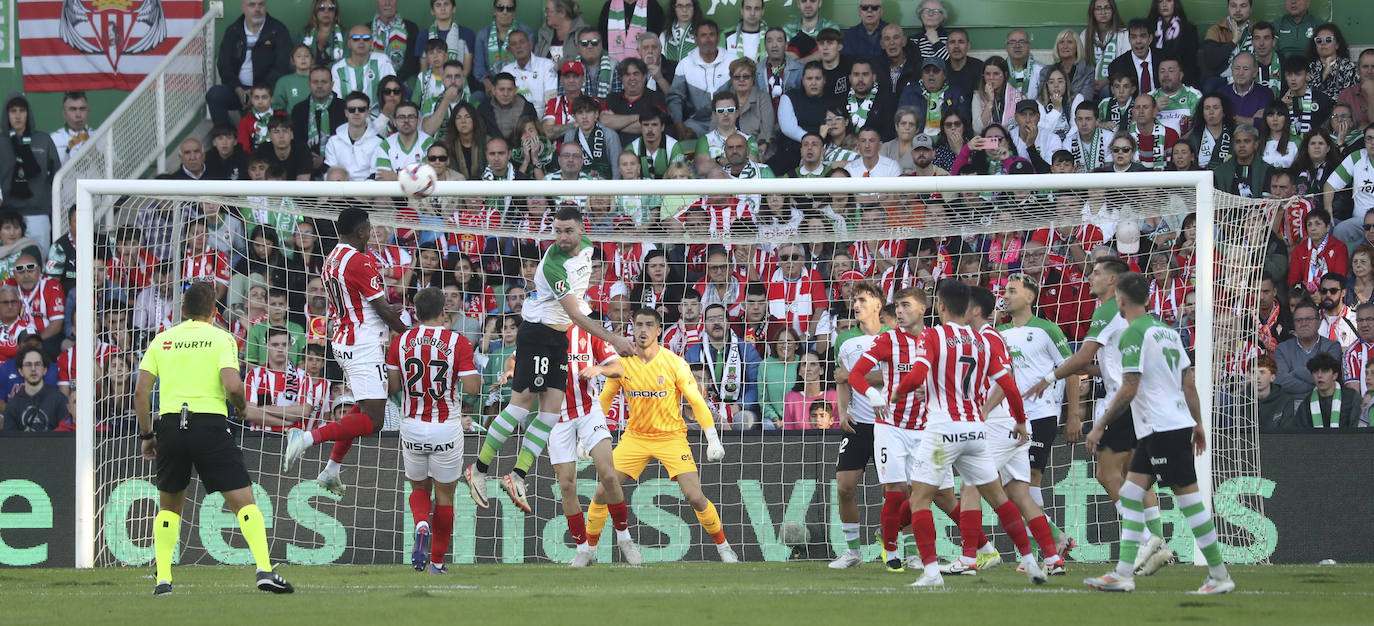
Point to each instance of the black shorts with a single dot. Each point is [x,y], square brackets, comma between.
[1042,434]
[541,359]
[1120,435]
[856,449]
[205,445]
[1168,456]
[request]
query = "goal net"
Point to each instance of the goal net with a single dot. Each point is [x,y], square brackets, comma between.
[775,259]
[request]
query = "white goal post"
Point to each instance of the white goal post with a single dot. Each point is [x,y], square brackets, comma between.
[1196,186]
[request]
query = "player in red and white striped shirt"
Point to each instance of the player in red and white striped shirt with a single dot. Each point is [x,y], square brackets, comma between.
[360,316]
[430,363]
[277,393]
[590,360]
[1009,453]
[953,364]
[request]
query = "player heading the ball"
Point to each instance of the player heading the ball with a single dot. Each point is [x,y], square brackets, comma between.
[541,355]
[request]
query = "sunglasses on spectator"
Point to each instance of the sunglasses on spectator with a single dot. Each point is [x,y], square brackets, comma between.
[589,42]
[392,91]
[437,158]
[356,109]
[1121,149]
[870,7]
[968,277]
[327,7]
[724,110]
[1369,226]
[360,37]
[1326,39]
[790,257]
[26,267]
[504,8]
[743,77]
[1330,291]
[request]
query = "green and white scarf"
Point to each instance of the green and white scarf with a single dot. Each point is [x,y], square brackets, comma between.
[858,111]
[498,50]
[1271,74]
[1302,112]
[594,155]
[319,126]
[678,42]
[623,34]
[259,136]
[1112,111]
[334,50]
[390,39]
[605,76]
[738,45]
[1314,405]
[834,153]
[498,202]
[727,377]
[1105,54]
[1021,79]
[433,33]
[1213,151]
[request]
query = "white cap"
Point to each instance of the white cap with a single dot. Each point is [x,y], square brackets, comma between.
[1128,237]
[343,399]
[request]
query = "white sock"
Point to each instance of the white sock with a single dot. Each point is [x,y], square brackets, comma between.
[622,535]
[333,467]
[987,548]
[1027,560]
[967,560]
[722,546]
[309,439]
[933,569]
[1038,497]
[851,531]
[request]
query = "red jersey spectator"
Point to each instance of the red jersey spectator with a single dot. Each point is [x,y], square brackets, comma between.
[14,320]
[131,266]
[796,295]
[42,296]
[1318,254]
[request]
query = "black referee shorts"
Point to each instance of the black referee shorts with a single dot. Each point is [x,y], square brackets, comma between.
[205,445]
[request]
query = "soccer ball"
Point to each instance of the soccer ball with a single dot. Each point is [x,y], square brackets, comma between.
[417,180]
[793,534]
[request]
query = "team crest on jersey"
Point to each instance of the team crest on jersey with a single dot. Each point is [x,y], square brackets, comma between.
[560,286]
[371,75]
[1131,349]
[538,381]
[660,381]
[376,282]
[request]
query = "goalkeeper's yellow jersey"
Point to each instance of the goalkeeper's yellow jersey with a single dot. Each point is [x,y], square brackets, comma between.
[653,396]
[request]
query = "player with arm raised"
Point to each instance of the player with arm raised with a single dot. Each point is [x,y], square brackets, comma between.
[1157,383]
[541,356]
[1036,346]
[953,364]
[582,422]
[432,366]
[1008,450]
[898,428]
[1114,455]
[654,383]
[360,316]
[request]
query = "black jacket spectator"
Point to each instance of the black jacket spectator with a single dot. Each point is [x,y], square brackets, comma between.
[1276,411]
[296,163]
[271,55]
[235,167]
[300,122]
[653,20]
[1126,63]
[37,413]
[28,161]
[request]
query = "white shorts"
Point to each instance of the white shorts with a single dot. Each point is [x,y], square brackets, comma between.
[589,429]
[894,452]
[958,445]
[432,450]
[364,370]
[1012,461]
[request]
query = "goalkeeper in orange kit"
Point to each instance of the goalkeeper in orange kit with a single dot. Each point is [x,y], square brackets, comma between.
[654,383]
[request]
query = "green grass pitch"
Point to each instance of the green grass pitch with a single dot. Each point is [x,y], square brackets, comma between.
[795,593]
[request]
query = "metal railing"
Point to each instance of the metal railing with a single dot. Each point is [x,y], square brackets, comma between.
[138,134]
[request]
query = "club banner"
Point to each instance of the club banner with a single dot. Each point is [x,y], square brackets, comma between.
[98,44]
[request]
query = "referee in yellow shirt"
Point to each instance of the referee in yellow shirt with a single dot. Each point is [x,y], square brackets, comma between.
[199,368]
[654,383]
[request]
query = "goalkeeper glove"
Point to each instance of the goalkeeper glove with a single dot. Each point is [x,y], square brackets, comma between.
[714,451]
[876,398]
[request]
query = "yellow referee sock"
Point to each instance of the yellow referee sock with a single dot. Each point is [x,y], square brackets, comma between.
[710,521]
[596,522]
[166,531]
[255,532]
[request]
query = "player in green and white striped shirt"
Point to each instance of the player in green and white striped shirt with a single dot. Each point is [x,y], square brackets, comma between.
[1157,383]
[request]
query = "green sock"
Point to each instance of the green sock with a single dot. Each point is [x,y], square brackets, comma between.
[1204,531]
[1153,523]
[166,531]
[536,439]
[1132,531]
[255,532]
[500,430]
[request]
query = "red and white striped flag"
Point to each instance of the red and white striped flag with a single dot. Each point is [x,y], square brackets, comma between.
[98,44]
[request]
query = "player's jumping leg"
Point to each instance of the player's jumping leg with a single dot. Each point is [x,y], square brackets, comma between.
[365,418]
[690,483]
[535,440]
[498,432]
[420,512]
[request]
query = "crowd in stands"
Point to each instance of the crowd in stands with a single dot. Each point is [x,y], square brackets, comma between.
[1275,105]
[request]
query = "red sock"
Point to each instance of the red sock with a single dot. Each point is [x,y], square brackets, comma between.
[978,538]
[340,450]
[619,515]
[970,526]
[718,536]
[442,532]
[419,505]
[1040,528]
[923,526]
[1016,529]
[348,427]
[904,515]
[577,526]
[891,520]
